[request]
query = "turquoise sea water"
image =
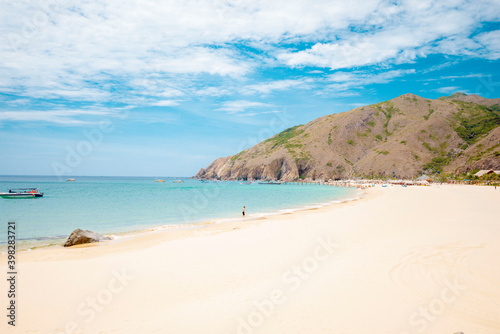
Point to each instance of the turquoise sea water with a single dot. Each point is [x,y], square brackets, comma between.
[121,204]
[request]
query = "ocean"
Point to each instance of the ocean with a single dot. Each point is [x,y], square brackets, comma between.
[121,205]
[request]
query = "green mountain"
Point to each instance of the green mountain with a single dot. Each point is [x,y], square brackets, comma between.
[407,136]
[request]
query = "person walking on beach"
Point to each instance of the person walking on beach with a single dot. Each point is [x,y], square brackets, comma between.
[243,211]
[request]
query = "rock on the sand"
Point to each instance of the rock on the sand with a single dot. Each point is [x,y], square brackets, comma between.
[84,237]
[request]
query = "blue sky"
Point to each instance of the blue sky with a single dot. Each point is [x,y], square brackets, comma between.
[162,88]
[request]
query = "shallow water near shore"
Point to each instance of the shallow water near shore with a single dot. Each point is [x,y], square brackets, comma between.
[123,204]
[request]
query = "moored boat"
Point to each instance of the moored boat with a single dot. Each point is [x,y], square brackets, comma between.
[270,182]
[159,180]
[22,193]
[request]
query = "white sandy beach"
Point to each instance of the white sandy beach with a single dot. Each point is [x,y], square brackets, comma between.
[401,260]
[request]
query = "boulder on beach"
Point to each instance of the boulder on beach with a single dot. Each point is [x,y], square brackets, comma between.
[79,236]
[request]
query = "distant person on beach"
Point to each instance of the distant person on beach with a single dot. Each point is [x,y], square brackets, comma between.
[243,211]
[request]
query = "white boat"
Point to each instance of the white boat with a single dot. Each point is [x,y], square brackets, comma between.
[271,182]
[22,193]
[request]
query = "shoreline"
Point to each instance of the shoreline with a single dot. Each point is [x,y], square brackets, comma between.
[121,236]
[143,238]
[36,244]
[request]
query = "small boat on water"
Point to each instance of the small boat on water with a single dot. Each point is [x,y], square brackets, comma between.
[270,182]
[22,193]
[159,180]
[177,181]
[70,180]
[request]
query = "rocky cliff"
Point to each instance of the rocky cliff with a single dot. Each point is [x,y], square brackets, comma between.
[404,137]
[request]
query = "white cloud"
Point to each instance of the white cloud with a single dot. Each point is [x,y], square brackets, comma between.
[58,117]
[448,90]
[18,102]
[213,91]
[340,55]
[140,52]
[345,81]
[165,103]
[491,42]
[402,33]
[277,85]
[466,76]
[70,117]
[233,107]
[454,77]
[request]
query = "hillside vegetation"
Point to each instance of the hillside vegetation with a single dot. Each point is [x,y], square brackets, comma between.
[402,137]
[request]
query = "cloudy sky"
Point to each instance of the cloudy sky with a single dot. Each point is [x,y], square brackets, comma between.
[161,88]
